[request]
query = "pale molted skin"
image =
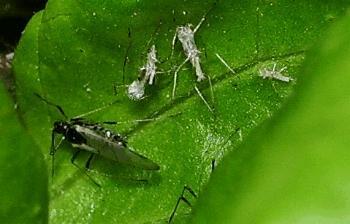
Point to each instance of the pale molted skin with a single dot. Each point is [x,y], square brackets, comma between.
[136,89]
[186,36]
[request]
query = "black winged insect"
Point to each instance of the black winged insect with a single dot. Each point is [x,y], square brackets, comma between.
[94,138]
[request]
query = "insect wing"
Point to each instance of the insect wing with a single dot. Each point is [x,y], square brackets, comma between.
[112,149]
[139,161]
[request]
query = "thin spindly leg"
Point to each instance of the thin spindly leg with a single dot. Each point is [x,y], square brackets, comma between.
[213,164]
[126,54]
[75,154]
[173,44]
[53,150]
[52,153]
[282,69]
[175,75]
[110,122]
[199,24]
[203,99]
[88,162]
[211,90]
[182,198]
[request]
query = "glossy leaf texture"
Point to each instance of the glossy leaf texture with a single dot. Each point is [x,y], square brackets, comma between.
[294,168]
[81,54]
[24,193]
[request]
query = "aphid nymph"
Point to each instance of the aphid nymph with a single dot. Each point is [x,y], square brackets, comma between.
[94,138]
[136,89]
[274,74]
[185,34]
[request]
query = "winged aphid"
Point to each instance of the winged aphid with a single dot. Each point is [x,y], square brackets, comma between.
[96,139]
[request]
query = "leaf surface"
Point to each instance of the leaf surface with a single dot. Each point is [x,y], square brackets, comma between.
[76,56]
[22,170]
[294,168]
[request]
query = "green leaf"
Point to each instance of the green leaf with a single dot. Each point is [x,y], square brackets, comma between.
[73,54]
[24,194]
[294,168]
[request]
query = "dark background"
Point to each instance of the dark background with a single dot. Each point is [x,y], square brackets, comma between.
[14,15]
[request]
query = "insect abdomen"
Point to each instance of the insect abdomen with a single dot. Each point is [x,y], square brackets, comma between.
[114,150]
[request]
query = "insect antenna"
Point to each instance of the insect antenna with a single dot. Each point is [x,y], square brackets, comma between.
[145,120]
[94,111]
[155,32]
[52,104]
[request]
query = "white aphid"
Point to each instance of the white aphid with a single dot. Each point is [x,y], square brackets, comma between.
[136,89]
[185,34]
[150,67]
[274,74]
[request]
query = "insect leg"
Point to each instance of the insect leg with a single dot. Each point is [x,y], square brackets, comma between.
[154,34]
[282,69]
[204,17]
[203,99]
[110,122]
[126,54]
[225,63]
[213,165]
[88,162]
[274,68]
[211,90]
[52,153]
[53,150]
[175,76]
[173,44]
[116,87]
[182,198]
[75,155]
[199,24]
